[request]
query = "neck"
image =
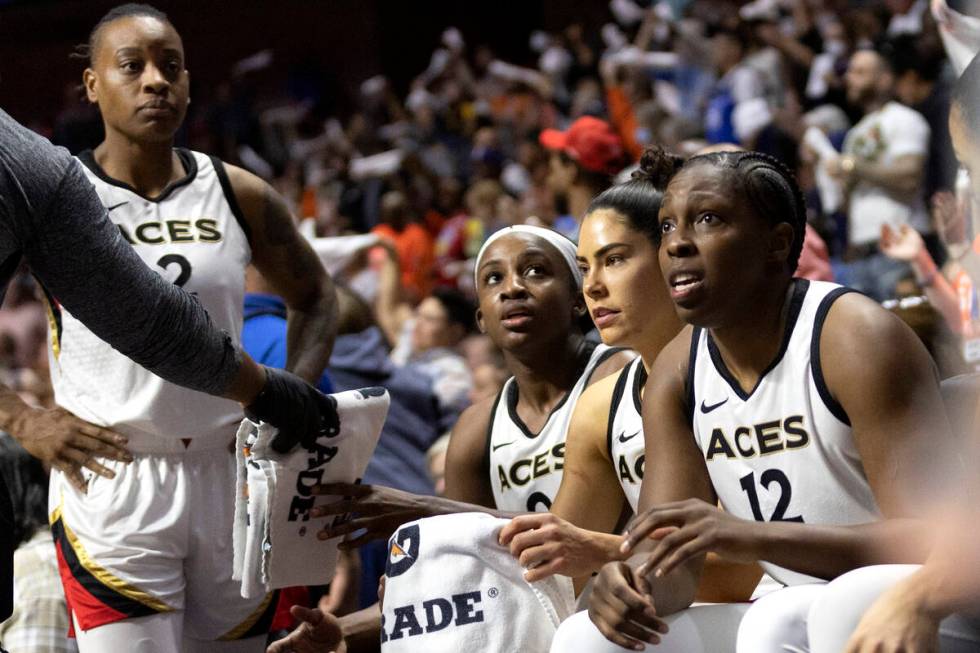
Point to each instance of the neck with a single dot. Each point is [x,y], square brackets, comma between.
[147,167]
[665,328]
[545,377]
[749,346]
[579,198]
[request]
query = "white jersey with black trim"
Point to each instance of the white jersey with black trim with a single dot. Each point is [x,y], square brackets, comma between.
[624,437]
[194,235]
[784,451]
[525,468]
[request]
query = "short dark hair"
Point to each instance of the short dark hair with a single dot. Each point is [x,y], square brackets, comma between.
[639,198]
[767,183]
[459,309]
[27,488]
[966,96]
[130,9]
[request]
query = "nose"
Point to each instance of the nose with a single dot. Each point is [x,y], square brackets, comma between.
[679,243]
[513,287]
[592,284]
[154,81]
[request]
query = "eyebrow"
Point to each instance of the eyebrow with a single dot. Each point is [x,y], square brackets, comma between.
[605,249]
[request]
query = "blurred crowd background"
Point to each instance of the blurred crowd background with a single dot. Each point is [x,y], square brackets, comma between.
[415,130]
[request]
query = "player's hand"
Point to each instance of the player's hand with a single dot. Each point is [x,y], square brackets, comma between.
[379,511]
[903,244]
[70,444]
[545,544]
[300,412]
[895,623]
[622,610]
[690,528]
[319,632]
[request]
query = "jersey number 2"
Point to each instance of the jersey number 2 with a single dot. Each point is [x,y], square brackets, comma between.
[182,263]
[767,478]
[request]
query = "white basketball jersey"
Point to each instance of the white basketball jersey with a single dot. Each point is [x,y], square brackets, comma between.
[526,468]
[192,235]
[784,451]
[624,438]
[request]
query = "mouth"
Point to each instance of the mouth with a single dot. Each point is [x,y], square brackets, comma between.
[604,317]
[684,285]
[158,109]
[516,317]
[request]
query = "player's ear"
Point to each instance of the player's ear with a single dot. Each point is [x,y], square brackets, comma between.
[781,240]
[89,81]
[479,321]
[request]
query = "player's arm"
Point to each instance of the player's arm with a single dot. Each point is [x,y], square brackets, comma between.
[626,606]
[293,270]
[466,474]
[576,538]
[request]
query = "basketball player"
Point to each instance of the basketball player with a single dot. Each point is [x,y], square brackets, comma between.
[146,556]
[807,411]
[506,453]
[604,465]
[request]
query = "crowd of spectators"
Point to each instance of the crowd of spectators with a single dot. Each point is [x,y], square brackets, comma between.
[853,96]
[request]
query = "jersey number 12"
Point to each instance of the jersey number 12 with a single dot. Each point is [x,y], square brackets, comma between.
[767,478]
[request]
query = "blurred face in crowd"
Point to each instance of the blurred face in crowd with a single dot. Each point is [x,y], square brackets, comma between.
[433,327]
[616,260]
[561,173]
[867,78]
[726,52]
[526,292]
[138,79]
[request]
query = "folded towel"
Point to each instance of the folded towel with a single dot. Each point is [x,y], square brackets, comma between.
[451,587]
[274,543]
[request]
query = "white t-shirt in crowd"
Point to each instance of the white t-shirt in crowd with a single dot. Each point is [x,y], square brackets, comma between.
[881,137]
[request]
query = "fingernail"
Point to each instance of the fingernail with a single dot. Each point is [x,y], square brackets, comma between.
[122,439]
[323,535]
[315,512]
[624,547]
[659,573]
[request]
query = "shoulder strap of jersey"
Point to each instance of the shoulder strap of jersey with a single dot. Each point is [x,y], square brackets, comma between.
[815,365]
[493,416]
[619,391]
[236,209]
[603,357]
[691,362]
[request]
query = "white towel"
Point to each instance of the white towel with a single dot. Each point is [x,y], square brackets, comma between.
[274,541]
[451,587]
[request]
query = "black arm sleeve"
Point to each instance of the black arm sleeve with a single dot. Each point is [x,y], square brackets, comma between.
[55,219]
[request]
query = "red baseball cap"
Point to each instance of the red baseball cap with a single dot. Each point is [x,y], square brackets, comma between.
[593,143]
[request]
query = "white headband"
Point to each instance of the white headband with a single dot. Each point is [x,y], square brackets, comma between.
[564,246]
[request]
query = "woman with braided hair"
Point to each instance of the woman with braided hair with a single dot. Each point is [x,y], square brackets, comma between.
[807,412]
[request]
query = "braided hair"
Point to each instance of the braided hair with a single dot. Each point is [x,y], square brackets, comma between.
[86,50]
[769,186]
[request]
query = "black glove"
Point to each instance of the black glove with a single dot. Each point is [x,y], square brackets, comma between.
[300,412]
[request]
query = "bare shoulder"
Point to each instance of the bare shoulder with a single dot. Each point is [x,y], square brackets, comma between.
[249,188]
[591,417]
[858,332]
[671,366]
[469,433]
